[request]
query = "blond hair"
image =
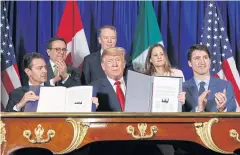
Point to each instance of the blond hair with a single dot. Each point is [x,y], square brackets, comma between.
[113,51]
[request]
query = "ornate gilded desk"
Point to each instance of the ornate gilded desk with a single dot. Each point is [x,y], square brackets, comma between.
[65,132]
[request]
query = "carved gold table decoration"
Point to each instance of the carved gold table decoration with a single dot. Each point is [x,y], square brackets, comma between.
[65,132]
[205,133]
[39,131]
[142,127]
[2,133]
[234,134]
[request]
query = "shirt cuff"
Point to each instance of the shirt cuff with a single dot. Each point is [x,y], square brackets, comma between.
[225,110]
[196,109]
[15,108]
[65,79]
[51,82]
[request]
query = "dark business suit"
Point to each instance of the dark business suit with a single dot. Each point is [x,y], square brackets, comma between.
[92,69]
[108,101]
[73,80]
[15,96]
[215,85]
[106,95]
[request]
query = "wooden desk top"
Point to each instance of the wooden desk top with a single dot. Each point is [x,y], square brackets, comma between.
[65,132]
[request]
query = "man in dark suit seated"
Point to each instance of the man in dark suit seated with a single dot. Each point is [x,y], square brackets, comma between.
[113,84]
[205,93]
[36,69]
[111,95]
[58,73]
[92,70]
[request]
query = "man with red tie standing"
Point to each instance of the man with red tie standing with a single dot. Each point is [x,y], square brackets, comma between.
[111,89]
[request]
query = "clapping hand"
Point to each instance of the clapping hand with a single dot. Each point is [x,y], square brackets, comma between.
[221,100]
[202,100]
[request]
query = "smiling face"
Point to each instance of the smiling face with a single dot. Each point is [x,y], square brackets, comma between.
[200,63]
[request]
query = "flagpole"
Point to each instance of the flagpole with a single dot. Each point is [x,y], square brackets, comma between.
[1,50]
[1,36]
[0,24]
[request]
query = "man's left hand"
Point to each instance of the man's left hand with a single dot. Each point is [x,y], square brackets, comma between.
[181,97]
[221,100]
[95,101]
[62,69]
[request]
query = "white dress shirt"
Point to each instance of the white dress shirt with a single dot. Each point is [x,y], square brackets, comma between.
[101,51]
[122,85]
[53,68]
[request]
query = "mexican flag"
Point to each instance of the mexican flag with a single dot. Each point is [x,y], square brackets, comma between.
[146,34]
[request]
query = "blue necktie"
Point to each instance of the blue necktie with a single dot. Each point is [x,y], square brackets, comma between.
[31,106]
[201,88]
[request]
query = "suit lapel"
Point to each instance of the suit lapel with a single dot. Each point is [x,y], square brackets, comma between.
[193,91]
[50,73]
[211,98]
[113,100]
[125,80]
[25,88]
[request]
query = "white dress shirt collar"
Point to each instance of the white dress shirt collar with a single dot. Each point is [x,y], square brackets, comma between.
[113,81]
[30,84]
[52,64]
[122,85]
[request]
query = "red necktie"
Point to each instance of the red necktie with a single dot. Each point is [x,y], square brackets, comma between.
[120,94]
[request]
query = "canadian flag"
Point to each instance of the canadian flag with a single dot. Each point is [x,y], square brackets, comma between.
[71,29]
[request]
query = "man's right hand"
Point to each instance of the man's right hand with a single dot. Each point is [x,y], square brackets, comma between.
[28,96]
[202,100]
[56,78]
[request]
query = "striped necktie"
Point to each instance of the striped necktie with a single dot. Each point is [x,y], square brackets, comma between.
[55,71]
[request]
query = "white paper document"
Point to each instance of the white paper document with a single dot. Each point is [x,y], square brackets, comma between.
[61,99]
[165,94]
[152,94]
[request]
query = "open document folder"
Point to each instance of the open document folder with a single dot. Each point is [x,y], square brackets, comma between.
[152,94]
[62,99]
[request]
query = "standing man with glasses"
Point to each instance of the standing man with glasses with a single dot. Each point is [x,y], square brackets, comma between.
[58,73]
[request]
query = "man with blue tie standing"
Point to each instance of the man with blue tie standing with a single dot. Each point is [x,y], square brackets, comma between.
[205,93]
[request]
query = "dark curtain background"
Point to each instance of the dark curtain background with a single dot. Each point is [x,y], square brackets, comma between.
[33,23]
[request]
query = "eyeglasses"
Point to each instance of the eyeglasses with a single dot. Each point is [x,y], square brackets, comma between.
[58,50]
